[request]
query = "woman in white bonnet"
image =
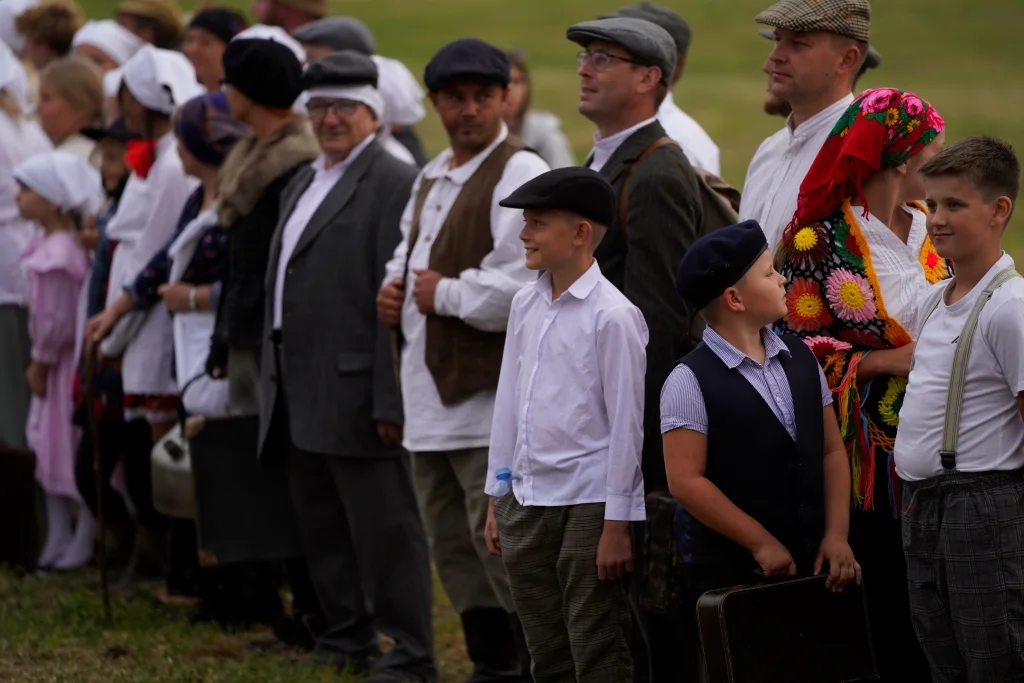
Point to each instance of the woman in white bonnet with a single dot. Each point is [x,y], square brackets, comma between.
[106,44]
[20,138]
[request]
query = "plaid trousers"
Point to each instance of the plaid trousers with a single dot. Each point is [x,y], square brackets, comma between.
[963,535]
[577,627]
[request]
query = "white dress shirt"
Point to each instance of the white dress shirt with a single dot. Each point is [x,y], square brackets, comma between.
[897,265]
[697,145]
[480,297]
[324,180]
[604,148]
[569,414]
[779,166]
[20,139]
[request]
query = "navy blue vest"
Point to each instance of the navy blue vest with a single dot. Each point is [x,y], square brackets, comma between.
[756,464]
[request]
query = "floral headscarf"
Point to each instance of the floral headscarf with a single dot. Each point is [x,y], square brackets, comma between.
[205,127]
[882,129]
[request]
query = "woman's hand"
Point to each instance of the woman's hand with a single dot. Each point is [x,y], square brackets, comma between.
[176,296]
[100,325]
[888,362]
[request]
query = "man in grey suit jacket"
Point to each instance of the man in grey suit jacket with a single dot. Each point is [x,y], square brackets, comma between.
[328,390]
[625,72]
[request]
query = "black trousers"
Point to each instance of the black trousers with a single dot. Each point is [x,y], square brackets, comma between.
[132,442]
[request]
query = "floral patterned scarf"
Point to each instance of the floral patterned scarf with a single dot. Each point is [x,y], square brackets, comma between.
[833,297]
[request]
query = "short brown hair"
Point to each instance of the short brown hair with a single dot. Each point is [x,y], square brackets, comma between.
[53,23]
[989,164]
[78,83]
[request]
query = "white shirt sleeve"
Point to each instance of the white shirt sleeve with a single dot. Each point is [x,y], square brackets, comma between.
[481,297]
[169,191]
[504,424]
[622,359]
[1005,335]
[396,266]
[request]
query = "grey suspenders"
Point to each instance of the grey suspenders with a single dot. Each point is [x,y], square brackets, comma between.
[958,373]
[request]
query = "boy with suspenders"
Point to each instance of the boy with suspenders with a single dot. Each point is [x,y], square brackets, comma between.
[960,444]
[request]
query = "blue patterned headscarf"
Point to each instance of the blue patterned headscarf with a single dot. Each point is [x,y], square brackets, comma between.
[205,128]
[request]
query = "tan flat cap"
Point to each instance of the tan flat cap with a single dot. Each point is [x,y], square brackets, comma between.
[166,11]
[850,18]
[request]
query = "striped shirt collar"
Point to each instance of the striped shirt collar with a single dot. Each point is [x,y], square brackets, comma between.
[732,357]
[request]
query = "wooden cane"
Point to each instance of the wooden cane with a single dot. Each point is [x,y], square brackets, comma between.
[97,467]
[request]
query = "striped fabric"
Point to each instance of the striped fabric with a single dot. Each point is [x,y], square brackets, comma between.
[682,405]
[577,627]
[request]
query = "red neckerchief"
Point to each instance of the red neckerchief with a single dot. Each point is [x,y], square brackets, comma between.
[140,156]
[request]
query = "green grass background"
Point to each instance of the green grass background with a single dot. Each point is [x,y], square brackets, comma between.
[966,56]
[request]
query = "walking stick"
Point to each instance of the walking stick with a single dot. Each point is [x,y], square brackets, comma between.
[97,467]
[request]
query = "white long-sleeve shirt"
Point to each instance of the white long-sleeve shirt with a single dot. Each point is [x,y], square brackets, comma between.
[569,413]
[695,142]
[779,167]
[480,297]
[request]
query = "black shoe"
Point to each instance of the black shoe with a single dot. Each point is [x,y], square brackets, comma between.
[400,676]
[492,648]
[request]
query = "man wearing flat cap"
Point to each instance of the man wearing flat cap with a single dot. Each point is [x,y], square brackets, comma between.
[820,47]
[328,392]
[448,290]
[625,72]
[157,22]
[697,145]
[568,426]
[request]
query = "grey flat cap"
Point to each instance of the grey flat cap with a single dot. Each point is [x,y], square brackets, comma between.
[650,44]
[872,61]
[669,20]
[339,33]
[850,18]
[344,68]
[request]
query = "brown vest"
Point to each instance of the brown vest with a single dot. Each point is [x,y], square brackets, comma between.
[462,359]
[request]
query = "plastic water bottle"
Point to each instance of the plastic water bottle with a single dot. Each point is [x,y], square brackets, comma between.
[504,477]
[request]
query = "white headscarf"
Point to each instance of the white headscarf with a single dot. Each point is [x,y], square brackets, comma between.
[115,40]
[403,97]
[160,79]
[13,79]
[63,179]
[275,33]
[10,10]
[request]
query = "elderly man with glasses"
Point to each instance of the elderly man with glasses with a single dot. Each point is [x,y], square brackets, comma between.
[328,391]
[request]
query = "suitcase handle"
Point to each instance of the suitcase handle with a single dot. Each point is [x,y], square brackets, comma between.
[761,577]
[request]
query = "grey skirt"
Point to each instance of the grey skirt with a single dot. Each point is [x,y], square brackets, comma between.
[15,356]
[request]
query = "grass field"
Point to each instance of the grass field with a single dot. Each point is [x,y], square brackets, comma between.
[966,57]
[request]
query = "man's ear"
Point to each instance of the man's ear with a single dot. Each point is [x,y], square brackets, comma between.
[1003,210]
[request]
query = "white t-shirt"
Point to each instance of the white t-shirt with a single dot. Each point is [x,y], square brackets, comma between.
[991,429]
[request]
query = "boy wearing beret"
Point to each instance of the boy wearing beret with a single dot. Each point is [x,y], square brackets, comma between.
[568,429]
[753,451]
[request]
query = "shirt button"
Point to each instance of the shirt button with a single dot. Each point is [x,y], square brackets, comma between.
[799,462]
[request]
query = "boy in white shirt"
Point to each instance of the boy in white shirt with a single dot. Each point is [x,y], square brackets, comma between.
[568,424]
[960,444]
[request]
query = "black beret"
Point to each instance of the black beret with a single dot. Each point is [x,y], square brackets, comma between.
[221,22]
[717,261]
[340,69]
[115,131]
[337,33]
[573,188]
[467,59]
[664,17]
[265,71]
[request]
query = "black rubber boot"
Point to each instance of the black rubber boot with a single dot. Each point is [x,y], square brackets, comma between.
[492,647]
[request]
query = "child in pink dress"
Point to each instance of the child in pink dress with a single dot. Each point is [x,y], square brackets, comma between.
[56,190]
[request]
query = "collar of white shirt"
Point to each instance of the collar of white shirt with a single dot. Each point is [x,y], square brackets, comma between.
[604,148]
[580,289]
[440,166]
[826,116]
[338,169]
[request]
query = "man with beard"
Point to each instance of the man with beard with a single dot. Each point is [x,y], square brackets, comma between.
[449,291]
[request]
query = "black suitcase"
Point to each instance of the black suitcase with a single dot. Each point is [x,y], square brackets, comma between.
[786,632]
[244,510]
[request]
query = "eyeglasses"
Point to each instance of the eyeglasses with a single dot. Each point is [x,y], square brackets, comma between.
[602,60]
[318,108]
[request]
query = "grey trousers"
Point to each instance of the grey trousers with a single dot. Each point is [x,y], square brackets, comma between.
[450,489]
[577,626]
[963,535]
[367,556]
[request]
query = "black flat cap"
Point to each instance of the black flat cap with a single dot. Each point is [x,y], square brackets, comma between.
[265,71]
[340,69]
[669,20]
[467,59]
[337,33]
[115,131]
[220,22]
[717,261]
[573,188]
[650,44]
[872,61]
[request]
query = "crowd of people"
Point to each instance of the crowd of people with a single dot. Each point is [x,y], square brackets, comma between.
[501,365]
